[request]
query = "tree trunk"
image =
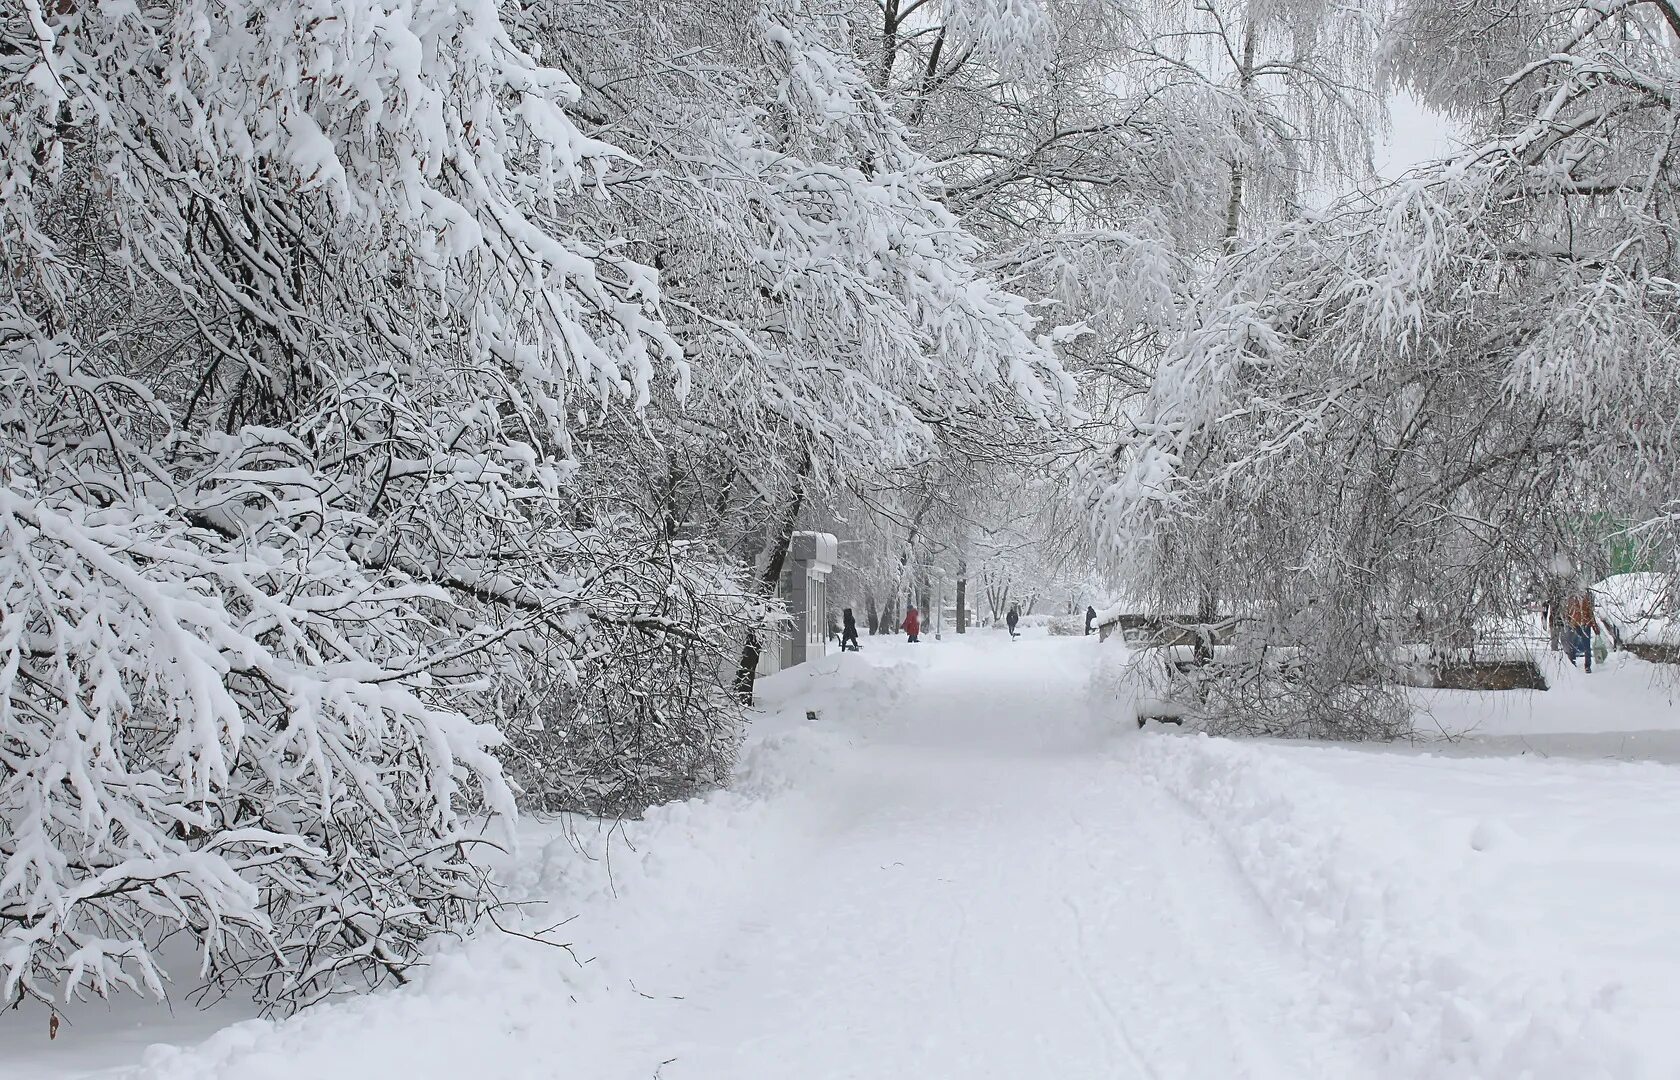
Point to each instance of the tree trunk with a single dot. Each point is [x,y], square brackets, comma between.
[780,542]
[889,45]
[997,599]
[1207,611]
[962,597]
[1234,205]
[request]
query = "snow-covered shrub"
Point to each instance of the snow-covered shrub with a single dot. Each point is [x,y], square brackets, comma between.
[1298,697]
[641,715]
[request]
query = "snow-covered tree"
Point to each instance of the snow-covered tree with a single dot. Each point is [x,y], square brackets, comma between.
[839,318]
[1400,415]
[301,302]
[1284,92]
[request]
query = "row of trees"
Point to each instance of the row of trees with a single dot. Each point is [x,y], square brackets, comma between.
[978,543]
[405,411]
[407,408]
[1104,154]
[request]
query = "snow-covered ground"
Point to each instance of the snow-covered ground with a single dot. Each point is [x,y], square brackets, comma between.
[1626,709]
[970,865]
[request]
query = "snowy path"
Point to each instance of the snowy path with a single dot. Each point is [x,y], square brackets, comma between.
[964,869]
[992,896]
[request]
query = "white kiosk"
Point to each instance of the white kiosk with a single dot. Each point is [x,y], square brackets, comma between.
[804,589]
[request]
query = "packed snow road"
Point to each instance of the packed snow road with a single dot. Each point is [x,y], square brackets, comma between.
[991,896]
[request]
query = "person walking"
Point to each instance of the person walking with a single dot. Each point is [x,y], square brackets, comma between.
[1580,622]
[1012,619]
[912,625]
[848,632]
[1090,620]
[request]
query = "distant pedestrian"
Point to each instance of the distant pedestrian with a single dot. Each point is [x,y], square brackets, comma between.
[1012,619]
[1090,620]
[1580,622]
[848,633]
[912,625]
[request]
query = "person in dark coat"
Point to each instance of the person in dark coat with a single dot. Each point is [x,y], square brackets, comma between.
[1090,620]
[912,625]
[848,632]
[1012,618]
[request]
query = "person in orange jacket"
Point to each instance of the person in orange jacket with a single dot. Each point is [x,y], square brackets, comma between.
[912,625]
[1580,622]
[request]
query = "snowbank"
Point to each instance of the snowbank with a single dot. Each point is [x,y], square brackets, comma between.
[1566,865]
[854,691]
[1626,706]
[634,899]
[1406,934]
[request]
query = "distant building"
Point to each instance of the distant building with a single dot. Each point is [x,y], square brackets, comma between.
[804,589]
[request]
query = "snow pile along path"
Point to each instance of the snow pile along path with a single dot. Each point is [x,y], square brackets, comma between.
[1402,935]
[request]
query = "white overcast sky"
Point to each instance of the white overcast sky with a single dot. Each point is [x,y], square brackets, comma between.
[1418,135]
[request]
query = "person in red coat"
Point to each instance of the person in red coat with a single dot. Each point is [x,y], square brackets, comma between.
[912,625]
